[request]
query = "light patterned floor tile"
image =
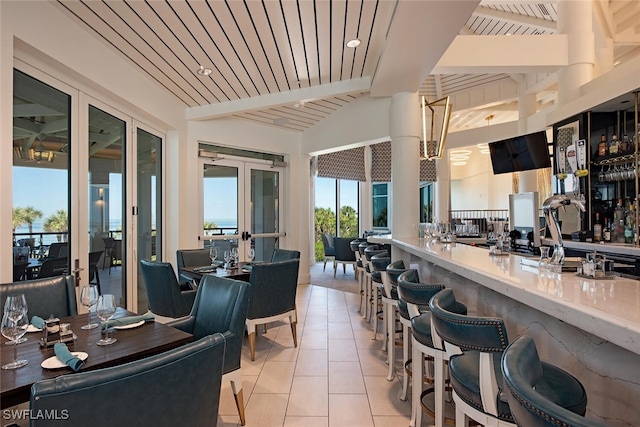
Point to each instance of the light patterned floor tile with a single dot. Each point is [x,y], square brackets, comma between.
[228,402]
[345,377]
[275,377]
[293,421]
[314,340]
[343,351]
[312,363]
[309,397]
[340,331]
[266,410]
[349,410]
[383,396]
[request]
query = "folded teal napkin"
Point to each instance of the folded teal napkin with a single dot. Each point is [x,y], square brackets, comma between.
[128,320]
[62,352]
[207,269]
[247,267]
[37,322]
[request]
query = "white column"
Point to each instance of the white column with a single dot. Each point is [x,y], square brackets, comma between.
[575,18]
[526,107]
[6,159]
[298,216]
[405,164]
[442,194]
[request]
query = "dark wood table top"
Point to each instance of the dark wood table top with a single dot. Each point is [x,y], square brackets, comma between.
[133,344]
[236,273]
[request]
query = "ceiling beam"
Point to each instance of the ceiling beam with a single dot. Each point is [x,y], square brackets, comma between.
[504,54]
[420,33]
[530,21]
[306,94]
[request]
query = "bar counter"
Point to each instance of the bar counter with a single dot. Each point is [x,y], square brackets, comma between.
[589,327]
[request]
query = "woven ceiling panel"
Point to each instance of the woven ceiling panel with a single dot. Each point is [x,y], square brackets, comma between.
[347,164]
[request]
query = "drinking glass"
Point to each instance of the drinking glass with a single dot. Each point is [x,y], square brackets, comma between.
[105,309]
[213,254]
[227,259]
[234,255]
[16,304]
[14,326]
[251,253]
[89,298]
[543,264]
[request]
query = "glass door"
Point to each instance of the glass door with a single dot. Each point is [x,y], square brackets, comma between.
[241,207]
[107,140]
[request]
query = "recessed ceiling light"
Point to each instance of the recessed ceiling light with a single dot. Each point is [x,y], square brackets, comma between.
[482,145]
[353,43]
[203,71]
[299,104]
[280,121]
[458,158]
[459,152]
[459,163]
[485,151]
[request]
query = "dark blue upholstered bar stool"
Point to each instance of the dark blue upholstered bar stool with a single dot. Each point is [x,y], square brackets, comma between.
[362,278]
[521,370]
[475,346]
[389,292]
[379,263]
[354,247]
[417,295]
[369,252]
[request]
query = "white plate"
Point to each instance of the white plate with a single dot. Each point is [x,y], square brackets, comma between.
[54,363]
[130,326]
[32,328]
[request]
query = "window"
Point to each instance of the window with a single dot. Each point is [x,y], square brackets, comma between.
[426,202]
[380,204]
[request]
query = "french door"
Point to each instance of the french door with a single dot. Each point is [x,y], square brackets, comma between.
[241,207]
[94,181]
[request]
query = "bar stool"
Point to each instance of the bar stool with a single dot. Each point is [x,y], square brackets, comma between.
[390,300]
[521,370]
[354,247]
[389,292]
[475,346]
[369,252]
[417,295]
[378,278]
[361,266]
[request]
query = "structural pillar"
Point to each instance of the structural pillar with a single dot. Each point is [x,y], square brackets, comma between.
[526,107]
[575,18]
[442,195]
[405,163]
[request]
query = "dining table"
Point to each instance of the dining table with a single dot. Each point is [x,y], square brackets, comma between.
[241,272]
[134,342]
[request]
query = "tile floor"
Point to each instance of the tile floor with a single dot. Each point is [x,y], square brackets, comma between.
[336,376]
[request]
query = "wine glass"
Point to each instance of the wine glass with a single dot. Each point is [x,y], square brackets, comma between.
[213,254]
[227,259]
[14,326]
[251,253]
[15,304]
[89,298]
[105,309]
[234,255]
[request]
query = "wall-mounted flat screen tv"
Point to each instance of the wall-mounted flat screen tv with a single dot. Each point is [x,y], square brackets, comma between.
[520,153]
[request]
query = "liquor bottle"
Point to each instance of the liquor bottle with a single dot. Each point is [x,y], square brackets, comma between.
[597,229]
[602,146]
[620,231]
[614,145]
[629,224]
[625,145]
[606,233]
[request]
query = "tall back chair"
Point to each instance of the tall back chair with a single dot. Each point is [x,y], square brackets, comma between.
[370,252]
[163,291]
[94,276]
[51,267]
[191,258]
[361,273]
[221,305]
[521,370]
[284,255]
[273,297]
[343,254]
[58,249]
[177,387]
[475,346]
[329,250]
[45,297]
